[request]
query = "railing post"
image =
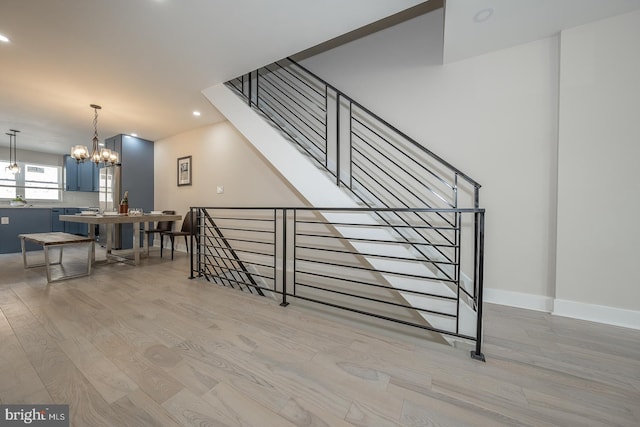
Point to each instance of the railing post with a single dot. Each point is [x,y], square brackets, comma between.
[192,251]
[249,89]
[338,145]
[479,268]
[284,302]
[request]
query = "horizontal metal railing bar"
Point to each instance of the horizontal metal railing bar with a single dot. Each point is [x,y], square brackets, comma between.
[400,133]
[426,187]
[362,239]
[421,260]
[378,170]
[377,270]
[314,102]
[241,272]
[406,222]
[391,319]
[342,209]
[302,81]
[242,283]
[316,115]
[265,254]
[376,285]
[362,297]
[355,224]
[354,177]
[316,141]
[321,160]
[235,218]
[272,83]
[248,241]
[422,166]
[283,106]
[249,230]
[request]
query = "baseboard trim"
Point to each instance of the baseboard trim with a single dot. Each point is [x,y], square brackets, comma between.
[565,308]
[597,313]
[518,299]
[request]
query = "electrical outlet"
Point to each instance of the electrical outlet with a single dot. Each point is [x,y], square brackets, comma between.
[220,189]
[5,220]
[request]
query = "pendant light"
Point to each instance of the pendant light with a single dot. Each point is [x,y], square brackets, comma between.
[98,155]
[13,157]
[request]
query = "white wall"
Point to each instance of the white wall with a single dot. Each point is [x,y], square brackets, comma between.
[493,116]
[221,157]
[599,172]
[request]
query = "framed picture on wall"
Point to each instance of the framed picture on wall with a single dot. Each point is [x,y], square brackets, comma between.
[184,171]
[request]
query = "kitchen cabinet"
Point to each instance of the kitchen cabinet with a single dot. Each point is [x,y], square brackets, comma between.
[21,221]
[74,227]
[65,226]
[81,176]
[56,224]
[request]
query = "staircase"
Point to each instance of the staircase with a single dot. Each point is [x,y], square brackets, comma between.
[413,218]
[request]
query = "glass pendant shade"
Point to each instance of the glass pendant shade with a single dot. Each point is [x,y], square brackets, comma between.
[96,156]
[80,153]
[113,158]
[14,168]
[105,154]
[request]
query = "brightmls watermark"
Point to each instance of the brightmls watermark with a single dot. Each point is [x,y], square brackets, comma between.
[34,415]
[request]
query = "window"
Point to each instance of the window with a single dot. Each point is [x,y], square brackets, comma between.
[34,182]
[7,182]
[41,182]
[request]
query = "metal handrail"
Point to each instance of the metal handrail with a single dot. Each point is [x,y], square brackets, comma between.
[390,126]
[298,262]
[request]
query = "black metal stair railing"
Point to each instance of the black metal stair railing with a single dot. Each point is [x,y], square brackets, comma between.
[418,197]
[318,255]
[222,261]
[380,165]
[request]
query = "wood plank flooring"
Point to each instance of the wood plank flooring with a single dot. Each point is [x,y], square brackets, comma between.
[146,346]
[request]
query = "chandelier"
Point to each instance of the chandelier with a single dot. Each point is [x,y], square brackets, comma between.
[13,157]
[98,155]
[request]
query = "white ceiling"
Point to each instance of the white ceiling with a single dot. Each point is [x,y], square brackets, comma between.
[147,61]
[474,27]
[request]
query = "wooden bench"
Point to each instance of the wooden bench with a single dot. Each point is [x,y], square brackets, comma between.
[56,240]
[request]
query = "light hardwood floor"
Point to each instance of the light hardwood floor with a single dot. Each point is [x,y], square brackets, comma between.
[144,346]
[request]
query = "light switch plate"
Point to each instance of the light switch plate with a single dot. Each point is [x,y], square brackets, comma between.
[220,189]
[5,220]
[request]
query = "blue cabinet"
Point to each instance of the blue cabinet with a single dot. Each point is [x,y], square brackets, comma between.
[74,227]
[66,226]
[81,176]
[22,221]
[56,224]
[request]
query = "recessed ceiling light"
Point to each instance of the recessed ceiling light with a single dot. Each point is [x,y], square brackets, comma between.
[4,38]
[196,113]
[483,15]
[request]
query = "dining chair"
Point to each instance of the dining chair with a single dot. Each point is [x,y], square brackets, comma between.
[188,226]
[161,227]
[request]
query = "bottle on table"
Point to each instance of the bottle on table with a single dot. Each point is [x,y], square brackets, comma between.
[124,203]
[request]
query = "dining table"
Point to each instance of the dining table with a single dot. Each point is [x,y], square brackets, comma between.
[110,220]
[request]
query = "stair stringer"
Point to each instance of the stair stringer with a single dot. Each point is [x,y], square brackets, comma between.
[315,186]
